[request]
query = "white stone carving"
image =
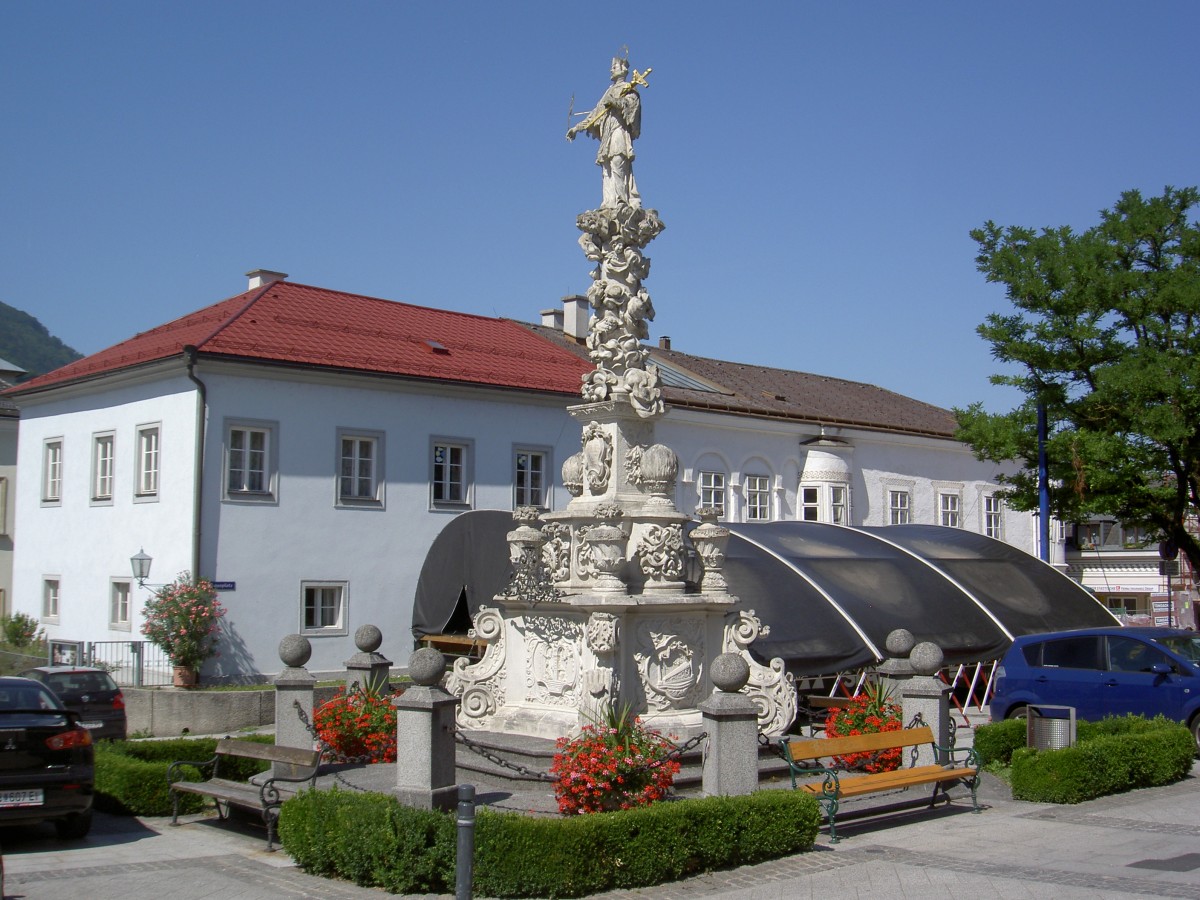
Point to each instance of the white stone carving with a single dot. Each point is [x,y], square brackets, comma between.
[552,673]
[670,662]
[480,686]
[597,457]
[771,688]
[556,552]
[661,552]
[602,633]
[616,122]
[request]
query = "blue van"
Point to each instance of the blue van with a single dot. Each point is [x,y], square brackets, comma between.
[1103,672]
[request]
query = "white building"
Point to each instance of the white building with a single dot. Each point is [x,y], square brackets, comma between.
[8,479]
[304,446]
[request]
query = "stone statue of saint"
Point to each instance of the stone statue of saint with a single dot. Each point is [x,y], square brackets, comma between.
[616,122]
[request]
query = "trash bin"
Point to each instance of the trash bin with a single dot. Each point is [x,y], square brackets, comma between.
[1050,727]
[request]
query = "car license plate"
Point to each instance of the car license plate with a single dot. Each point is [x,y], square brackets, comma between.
[9,799]
[92,724]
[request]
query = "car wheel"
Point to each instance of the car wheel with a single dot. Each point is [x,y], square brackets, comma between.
[74,827]
[1019,712]
[1195,726]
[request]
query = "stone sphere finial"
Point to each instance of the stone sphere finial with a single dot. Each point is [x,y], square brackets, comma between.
[899,642]
[426,666]
[729,672]
[294,650]
[926,658]
[368,638]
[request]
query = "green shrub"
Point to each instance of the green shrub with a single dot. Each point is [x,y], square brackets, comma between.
[1132,754]
[131,776]
[996,741]
[20,629]
[374,841]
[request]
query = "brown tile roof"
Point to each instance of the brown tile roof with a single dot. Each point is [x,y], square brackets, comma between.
[783,394]
[297,324]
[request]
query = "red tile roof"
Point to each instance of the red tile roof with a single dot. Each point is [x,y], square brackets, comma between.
[297,324]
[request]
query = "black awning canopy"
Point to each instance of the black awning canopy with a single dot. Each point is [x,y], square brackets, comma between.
[829,594]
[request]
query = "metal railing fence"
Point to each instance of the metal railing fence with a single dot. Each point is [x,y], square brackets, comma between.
[131,663]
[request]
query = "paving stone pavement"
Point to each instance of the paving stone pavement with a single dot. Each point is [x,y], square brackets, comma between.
[1143,843]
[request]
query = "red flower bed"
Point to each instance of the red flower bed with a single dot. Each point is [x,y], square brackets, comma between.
[866,714]
[358,726]
[607,768]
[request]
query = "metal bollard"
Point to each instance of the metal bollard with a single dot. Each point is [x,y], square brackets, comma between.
[466,842]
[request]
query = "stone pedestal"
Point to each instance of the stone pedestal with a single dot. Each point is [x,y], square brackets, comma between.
[367,668]
[425,769]
[928,697]
[731,723]
[294,687]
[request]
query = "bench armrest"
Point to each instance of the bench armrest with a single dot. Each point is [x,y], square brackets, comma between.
[970,756]
[269,793]
[174,769]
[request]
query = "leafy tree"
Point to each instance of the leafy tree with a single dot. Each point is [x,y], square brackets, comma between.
[1105,333]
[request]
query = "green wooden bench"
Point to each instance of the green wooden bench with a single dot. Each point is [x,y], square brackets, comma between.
[804,756]
[265,797]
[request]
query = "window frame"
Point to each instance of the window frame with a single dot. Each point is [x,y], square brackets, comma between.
[993,516]
[341,626]
[103,467]
[115,586]
[758,498]
[270,455]
[950,511]
[899,513]
[142,492]
[374,499]
[544,453]
[48,616]
[713,495]
[4,506]
[808,497]
[53,455]
[465,465]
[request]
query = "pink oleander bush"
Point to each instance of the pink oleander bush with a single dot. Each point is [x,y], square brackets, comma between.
[184,619]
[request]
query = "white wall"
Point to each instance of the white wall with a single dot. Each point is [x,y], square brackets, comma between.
[8,472]
[269,549]
[86,545]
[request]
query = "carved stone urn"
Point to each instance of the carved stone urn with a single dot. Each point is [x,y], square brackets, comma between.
[525,541]
[607,542]
[710,540]
[659,466]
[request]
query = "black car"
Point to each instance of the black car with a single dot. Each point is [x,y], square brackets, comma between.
[46,760]
[90,692]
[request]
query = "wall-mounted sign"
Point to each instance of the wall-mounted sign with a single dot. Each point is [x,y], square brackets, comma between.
[65,653]
[224,585]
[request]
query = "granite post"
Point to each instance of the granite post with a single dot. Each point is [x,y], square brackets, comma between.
[425,770]
[924,697]
[731,722]
[294,688]
[367,668]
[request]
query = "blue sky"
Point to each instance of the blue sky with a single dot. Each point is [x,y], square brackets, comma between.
[818,165]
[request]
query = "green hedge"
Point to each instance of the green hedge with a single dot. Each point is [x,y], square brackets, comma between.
[373,840]
[131,776]
[1110,756]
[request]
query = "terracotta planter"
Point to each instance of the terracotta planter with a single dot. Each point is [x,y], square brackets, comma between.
[184,676]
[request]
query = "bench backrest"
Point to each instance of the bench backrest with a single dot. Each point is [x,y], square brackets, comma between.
[859,743]
[296,756]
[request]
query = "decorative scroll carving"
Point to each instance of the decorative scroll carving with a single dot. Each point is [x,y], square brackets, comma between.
[771,688]
[597,457]
[661,552]
[480,686]
[670,662]
[602,633]
[552,674]
[556,552]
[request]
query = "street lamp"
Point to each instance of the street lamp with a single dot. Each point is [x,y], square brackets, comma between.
[140,563]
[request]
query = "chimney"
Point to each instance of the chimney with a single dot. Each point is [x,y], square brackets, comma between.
[664,342]
[262,277]
[575,316]
[552,318]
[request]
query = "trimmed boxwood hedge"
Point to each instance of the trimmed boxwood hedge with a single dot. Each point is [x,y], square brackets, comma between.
[1113,755]
[131,776]
[373,840]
